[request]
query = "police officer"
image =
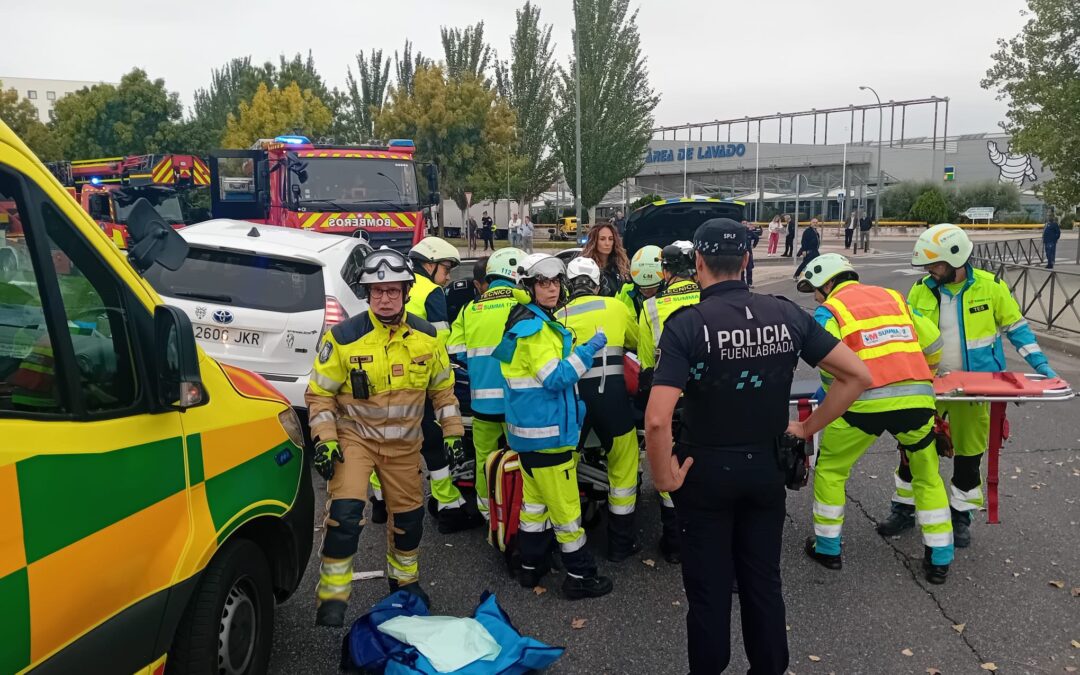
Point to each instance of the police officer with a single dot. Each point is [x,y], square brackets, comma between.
[734,355]
[679,290]
[608,408]
[972,309]
[372,376]
[541,368]
[645,279]
[433,259]
[902,350]
[475,333]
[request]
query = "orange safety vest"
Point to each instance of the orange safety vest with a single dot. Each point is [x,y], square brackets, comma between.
[876,324]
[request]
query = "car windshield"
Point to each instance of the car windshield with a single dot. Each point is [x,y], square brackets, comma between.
[356,182]
[242,280]
[164,200]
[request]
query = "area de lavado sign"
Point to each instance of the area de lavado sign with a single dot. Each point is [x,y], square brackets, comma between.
[701,152]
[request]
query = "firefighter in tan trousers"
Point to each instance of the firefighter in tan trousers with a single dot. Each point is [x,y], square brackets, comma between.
[366,400]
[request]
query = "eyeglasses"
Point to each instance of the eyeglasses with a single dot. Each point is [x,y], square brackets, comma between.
[545,283]
[388,293]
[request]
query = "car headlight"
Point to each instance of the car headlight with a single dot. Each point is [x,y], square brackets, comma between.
[290,422]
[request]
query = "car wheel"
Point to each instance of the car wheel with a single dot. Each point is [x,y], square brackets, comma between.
[228,625]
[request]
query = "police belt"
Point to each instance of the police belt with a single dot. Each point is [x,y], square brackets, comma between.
[762,446]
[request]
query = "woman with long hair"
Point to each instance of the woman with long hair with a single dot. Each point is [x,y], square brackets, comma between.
[604,246]
[774,234]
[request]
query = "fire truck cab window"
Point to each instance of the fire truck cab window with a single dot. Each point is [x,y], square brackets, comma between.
[357,182]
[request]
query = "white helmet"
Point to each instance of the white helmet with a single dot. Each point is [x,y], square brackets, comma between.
[384,266]
[540,266]
[942,243]
[583,267]
[435,250]
[823,268]
[503,264]
[645,267]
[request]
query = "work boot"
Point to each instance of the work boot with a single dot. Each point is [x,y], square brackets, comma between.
[961,528]
[670,546]
[458,519]
[935,574]
[530,577]
[378,511]
[621,543]
[576,588]
[331,613]
[832,562]
[671,550]
[901,518]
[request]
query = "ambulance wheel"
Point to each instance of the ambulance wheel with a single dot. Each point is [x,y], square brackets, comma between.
[228,625]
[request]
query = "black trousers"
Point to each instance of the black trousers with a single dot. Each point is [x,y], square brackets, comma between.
[731,520]
[789,245]
[848,236]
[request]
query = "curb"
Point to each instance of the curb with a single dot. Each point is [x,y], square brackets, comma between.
[1068,345]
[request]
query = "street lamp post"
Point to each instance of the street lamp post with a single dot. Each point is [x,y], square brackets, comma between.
[577,123]
[880,173]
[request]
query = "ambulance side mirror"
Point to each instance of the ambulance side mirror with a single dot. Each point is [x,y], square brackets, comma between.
[176,361]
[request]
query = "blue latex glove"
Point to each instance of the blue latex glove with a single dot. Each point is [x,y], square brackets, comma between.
[597,341]
[1046,371]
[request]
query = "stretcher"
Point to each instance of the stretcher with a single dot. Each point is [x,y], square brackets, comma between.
[999,389]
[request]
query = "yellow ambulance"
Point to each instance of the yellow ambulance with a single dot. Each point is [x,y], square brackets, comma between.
[154,504]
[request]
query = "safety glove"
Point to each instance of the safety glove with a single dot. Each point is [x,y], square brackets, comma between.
[598,341]
[455,451]
[327,453]
[1046,371]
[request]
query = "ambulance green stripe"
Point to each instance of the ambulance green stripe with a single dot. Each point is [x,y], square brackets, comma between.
[15,603]
[195,458]
[67,497]
[256,479]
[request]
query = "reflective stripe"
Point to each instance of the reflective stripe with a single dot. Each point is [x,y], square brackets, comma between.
[547,369]
[981,342]
[1030,349]
[405,560]
[336,568]
[623,492]
[654,319]
[578,365]
[1022,323]
[665,500]
[387,433]
[322,418]
[440,474]
[904,493]
[523,383]
[620,509]
[447,411]
[937,539]
[598,371]
[573,526]
[828,510]
[456,504]
[932,516]
[480,351]
[830,531]
[583,308]
[934,346]
[484,394]
[455,349]
[440,325]
[376,413]
[327,383]
[534,509]
[965,501]
[482,501]
[572,546]
[530,526]
[533,432]
[441,377]
[896,391]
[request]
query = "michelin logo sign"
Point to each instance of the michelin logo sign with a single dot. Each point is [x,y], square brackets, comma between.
[701,152]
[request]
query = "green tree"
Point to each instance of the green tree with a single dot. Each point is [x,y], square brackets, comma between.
[642,201]
[22,117]
[405,68]
[366,96]
[459,124]
[236,81]
[275,111]
[1003,197]
[930,207]
[1038,73]
[138,116]
[527,82]
[465,52]
[896,202]
[616,100]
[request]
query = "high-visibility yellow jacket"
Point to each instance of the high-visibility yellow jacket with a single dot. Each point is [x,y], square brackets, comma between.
[584,314]
[427,300]
[656,311]
[630,295]
[476,332]
[900,347]
[404,364]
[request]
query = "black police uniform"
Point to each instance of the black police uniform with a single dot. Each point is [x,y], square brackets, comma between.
[734,355]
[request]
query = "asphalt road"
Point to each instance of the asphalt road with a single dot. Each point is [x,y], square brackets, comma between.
[1001,604]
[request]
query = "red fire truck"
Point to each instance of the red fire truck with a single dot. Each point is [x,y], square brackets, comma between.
[108,188]
[353,190]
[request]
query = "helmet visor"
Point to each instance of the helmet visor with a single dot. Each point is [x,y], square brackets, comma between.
[548,268]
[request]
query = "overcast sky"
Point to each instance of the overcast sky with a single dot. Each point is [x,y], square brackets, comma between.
[707,59]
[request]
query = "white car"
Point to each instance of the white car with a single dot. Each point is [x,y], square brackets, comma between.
[260,296]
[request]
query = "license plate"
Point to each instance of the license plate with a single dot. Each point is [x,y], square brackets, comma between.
[228,336]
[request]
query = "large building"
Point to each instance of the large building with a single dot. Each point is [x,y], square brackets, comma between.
[827,175]
[43,93]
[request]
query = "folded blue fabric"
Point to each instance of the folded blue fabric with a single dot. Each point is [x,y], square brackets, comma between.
[365,647]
